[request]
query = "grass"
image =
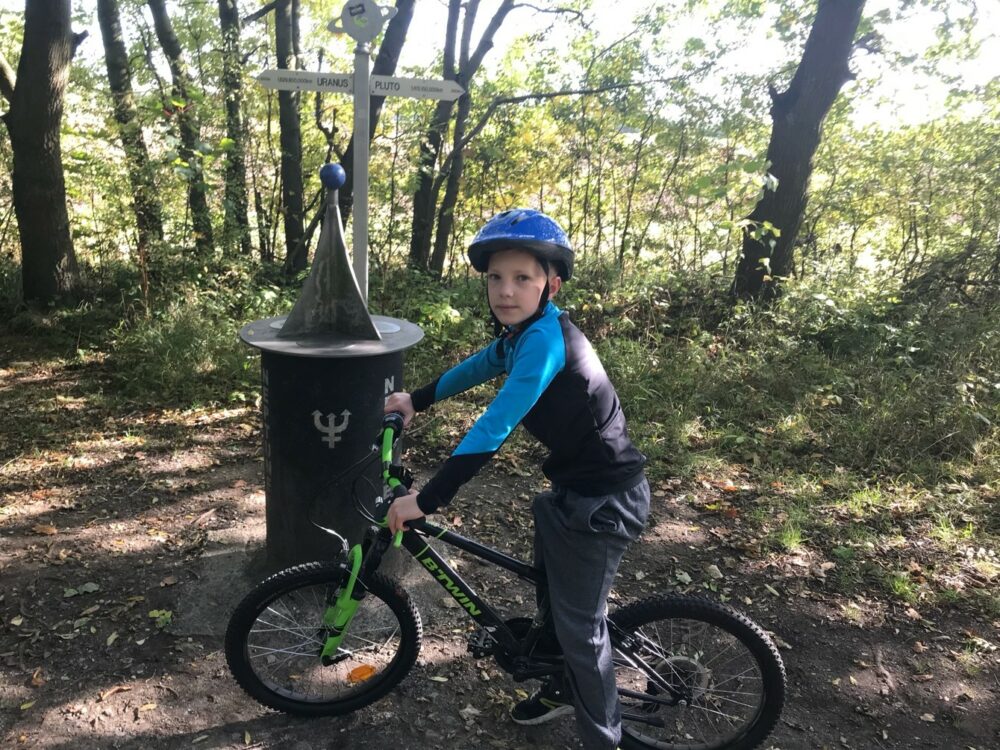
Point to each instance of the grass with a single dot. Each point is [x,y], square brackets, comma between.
[866,430]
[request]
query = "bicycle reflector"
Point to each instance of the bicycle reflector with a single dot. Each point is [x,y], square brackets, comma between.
[361,674]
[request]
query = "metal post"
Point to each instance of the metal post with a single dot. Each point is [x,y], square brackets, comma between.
[362,97]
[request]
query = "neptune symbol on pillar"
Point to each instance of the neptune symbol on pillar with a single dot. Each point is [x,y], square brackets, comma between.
[333,426]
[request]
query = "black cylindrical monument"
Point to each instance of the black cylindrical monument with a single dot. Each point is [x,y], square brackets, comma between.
[326,369]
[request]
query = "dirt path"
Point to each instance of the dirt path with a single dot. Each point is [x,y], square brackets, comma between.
[127,539]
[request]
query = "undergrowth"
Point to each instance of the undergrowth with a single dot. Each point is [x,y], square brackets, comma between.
[866,426]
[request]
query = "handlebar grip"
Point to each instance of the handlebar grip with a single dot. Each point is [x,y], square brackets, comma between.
[394,421]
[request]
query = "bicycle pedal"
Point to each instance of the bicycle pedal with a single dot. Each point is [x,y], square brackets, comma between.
[481,643]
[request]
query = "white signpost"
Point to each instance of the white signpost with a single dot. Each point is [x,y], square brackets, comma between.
[362,20]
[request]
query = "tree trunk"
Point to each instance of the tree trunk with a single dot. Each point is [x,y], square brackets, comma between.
[797,115]
[425,196]
[236,225]
[385,65]
[148,212]
[446,214]
[285,33]
[187,123]
[48,264]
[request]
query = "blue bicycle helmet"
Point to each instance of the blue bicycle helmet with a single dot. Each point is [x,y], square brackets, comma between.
[523,229]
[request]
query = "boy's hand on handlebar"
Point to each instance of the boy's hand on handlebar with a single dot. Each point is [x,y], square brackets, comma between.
[402,510]
[402,403]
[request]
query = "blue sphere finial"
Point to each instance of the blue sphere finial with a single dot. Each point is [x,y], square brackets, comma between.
[332,176]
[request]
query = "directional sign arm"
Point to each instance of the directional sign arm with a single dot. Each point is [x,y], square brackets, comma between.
[304,80]
[412,88]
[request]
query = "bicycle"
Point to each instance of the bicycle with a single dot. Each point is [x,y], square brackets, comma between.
[327,638]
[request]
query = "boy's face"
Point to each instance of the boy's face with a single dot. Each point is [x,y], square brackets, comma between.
[514,282]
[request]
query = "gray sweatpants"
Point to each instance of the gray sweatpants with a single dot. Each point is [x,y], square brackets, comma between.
[579,542]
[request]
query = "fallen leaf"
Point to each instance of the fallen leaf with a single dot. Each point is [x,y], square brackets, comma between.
[438,678]
[147,706]
[196,740]
[112,638]
[913,614]
[683,577]
[773,591]
[201,520]
[469,712]
[169,581]
[927,717]
[16,620]
[117,689]
[246,738]
[919,647]
[28,704]
[714,572]
[44,529]
[36,678]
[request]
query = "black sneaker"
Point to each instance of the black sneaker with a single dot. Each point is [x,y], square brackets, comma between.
[545,705]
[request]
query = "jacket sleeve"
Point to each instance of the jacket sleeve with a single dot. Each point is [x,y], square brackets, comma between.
[484,365]
[538,358]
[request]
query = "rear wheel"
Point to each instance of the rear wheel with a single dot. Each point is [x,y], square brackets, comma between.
[694,674]
[276,634]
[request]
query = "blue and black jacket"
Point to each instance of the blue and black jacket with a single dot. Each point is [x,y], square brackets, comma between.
[557,387]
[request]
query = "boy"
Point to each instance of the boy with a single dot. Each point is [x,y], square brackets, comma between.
[557,387]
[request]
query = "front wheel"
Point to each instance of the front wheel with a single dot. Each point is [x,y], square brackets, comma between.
[276,634]
[694,674]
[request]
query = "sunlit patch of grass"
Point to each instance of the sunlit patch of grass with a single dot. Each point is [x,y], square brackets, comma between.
[863,502]
[987,568]
[970,661]
[902,586]
[946,532]
[853,613]
[790,536]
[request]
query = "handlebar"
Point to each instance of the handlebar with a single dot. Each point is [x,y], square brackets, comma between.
[392,430]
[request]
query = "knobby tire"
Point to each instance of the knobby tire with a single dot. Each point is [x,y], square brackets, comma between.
[275,636]
[728,668]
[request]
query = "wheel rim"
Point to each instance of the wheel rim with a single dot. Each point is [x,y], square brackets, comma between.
[715,673]
[284,643]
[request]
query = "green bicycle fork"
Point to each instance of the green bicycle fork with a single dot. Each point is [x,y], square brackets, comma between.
[337,618]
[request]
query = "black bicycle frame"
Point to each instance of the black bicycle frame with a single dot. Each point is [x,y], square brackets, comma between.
[416,542]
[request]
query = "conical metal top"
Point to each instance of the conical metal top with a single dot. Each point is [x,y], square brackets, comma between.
[331,302]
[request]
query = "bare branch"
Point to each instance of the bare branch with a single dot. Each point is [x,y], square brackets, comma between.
[504,100]
[486,40]
[261,12]
[577,15]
